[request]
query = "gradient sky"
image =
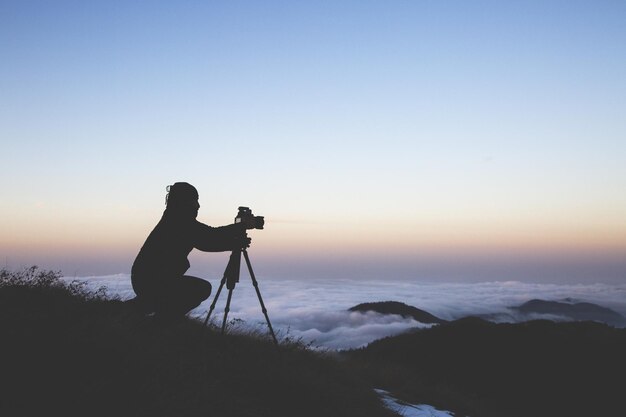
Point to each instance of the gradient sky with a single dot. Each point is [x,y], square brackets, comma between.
[448,140]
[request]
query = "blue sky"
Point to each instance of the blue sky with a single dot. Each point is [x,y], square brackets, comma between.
[392,133]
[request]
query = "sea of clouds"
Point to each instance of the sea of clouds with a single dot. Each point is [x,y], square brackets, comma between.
[316,310]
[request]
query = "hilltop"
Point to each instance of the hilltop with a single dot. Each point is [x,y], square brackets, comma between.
[401,309]
[67,351]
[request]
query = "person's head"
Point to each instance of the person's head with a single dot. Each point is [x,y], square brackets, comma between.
[182,198]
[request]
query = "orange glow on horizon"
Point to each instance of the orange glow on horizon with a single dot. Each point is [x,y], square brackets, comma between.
[65,234]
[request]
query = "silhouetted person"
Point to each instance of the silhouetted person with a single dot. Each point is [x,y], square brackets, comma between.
[158,273]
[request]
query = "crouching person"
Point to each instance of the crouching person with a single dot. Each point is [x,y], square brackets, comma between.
[158,273]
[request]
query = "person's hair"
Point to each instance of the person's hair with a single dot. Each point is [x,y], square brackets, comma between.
[180,192]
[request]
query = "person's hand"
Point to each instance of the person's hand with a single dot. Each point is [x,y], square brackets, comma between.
[242,242]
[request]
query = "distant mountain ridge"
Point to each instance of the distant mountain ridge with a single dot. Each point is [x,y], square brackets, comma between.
[574,311]
[396,307]
[567,309]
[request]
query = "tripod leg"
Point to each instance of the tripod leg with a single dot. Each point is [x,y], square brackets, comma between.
[258,293]
[217,294]
[227,309]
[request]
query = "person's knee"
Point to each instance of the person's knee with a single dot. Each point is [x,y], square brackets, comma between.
[194,289]
[205,290]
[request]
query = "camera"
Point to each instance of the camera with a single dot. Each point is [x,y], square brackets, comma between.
[246,213]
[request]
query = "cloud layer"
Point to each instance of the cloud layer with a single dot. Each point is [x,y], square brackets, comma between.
[316,310]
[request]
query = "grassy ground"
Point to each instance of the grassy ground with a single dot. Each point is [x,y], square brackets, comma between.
[65,351]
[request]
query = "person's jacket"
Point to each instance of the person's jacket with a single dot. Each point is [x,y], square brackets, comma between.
[164,254]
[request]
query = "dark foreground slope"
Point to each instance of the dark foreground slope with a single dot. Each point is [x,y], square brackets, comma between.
[536,368]
[66,352]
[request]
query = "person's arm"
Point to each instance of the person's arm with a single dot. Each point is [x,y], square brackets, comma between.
[219,239]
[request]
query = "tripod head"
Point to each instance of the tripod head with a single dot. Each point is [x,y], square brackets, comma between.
[232,269]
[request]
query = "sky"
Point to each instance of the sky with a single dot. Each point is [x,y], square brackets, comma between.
[421,140]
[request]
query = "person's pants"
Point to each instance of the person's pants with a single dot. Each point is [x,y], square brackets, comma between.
[175,296]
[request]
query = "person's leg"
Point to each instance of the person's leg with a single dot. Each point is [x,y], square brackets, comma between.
[143,302]
[193,292]
[183,294]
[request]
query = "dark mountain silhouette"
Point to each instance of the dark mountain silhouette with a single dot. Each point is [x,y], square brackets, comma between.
[473,367]
[395,307]
[574,311]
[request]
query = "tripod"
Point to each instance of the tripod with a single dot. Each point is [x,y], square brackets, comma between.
[231,278]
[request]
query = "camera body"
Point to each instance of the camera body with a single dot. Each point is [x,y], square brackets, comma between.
[246,213]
